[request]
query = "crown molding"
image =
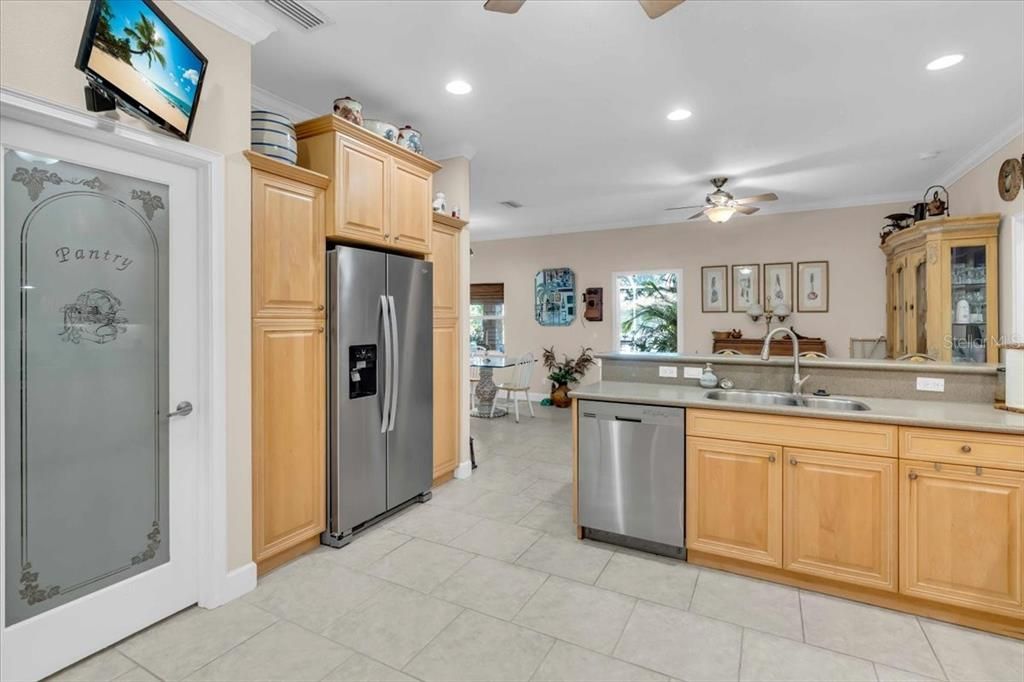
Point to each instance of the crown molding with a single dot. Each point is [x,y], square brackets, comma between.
[264,99]
[232,16]
[979,155]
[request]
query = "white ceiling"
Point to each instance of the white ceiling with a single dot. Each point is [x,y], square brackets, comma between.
[825,103]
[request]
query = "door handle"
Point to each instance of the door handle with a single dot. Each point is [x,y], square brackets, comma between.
[388,370]
[183,409]
[394,362]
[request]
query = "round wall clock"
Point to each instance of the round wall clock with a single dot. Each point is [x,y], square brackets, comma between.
[1009,179]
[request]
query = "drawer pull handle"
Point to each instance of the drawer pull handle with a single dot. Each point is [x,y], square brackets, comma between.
[771,458]
[977,471]
[938,466]
[912,476]
[965,448]
[792,460]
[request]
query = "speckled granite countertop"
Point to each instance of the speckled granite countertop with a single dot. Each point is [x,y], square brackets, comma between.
[949,415]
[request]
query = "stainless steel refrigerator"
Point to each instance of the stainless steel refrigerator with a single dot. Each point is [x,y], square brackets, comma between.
[380,387]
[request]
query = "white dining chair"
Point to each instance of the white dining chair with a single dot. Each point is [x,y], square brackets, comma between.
[519,384]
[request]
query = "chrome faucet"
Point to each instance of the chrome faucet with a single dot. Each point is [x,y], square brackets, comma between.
[798,382]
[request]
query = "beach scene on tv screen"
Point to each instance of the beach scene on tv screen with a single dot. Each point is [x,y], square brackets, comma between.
[136,51]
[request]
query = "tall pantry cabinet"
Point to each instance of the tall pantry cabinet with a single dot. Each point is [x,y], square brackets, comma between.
[288,350]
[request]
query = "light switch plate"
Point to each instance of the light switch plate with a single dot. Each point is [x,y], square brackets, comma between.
[670,372]
[692,372]
[931,384]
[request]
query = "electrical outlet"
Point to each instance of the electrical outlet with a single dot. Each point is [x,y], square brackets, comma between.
[670,372]
[692,372]
[931,384]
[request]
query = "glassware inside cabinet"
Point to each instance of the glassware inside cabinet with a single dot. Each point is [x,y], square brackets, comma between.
[969,300]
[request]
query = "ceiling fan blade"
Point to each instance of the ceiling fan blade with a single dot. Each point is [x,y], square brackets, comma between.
[768,196]
[655,8]
[503,6]
[698,214]
[746,210]
[677,208]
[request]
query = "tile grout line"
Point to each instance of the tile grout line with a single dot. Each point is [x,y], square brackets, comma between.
[739,667]
[932,647]
[803,625]
[277,619]
[625,625]
[693,591]
[462,609]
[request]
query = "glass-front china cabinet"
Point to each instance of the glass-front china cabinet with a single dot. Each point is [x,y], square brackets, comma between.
[942,291]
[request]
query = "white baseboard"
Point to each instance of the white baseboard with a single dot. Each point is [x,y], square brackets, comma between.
[237,582]
[464,470]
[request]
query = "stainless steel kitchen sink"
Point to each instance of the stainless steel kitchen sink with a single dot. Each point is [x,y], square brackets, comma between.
[840,404]
[753,397]
[786,400]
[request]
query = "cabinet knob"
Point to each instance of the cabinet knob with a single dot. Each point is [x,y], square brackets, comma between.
[792,460]
[320,307]
[978,471]
[965,448]
[912,476]
[387,234]
[397,237]
[771,458]
[320,329]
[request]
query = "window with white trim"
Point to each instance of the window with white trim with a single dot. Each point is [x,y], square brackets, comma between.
[487,317]
[648,311]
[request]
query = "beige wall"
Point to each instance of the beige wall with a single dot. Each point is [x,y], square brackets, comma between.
[847,238]
[977,192]
[38,46]
[453,180]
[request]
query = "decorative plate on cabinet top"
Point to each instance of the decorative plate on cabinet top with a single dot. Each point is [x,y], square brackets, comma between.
[1009,179]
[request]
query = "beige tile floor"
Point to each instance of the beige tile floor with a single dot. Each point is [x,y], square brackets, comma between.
[487,582]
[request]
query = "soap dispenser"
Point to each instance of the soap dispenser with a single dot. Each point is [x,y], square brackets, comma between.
[708,379]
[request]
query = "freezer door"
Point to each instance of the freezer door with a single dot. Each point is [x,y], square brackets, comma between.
[357,450]
[411,425]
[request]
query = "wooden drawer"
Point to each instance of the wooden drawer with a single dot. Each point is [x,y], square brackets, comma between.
[972,448]
[799,432]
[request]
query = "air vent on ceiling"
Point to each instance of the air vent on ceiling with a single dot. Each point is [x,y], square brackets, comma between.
[307,18]
[509,203]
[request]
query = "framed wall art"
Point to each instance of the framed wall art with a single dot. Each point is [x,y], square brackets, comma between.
[812,286]
[746,287]
[554,297]
[714,289]
[778,285]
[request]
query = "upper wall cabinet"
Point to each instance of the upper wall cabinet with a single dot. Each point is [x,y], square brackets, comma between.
[380,193]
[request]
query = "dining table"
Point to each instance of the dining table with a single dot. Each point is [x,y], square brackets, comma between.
[486,390]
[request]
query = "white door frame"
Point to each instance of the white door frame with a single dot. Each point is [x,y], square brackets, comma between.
[217,585]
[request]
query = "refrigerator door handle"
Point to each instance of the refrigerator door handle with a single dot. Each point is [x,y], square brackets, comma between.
[388,363]
[395,344]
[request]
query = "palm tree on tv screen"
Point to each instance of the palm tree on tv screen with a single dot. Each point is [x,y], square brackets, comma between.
[147,42]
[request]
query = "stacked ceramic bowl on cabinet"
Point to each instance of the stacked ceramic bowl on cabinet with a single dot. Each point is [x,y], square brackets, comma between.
[274,135]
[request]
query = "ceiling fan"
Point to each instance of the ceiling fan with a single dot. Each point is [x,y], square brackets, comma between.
[654,8]
[720,205]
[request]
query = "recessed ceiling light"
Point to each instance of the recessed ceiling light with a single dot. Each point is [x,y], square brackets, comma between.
[459,88]
[679,114]
[944,62]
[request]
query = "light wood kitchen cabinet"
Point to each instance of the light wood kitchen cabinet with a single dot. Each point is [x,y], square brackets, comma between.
[288,434]
[381,193]
[446,254]
[288,380]
[935,268]
[287,247]
[961,536]
[411,214]
[734,499]
[840,517]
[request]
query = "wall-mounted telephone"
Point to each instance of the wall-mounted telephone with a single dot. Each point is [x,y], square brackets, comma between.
[593,310]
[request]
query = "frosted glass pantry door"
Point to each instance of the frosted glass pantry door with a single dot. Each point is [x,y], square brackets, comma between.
[100,347]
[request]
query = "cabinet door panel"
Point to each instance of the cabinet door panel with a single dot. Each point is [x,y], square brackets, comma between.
[961,535]
[287,247]
[840,517]
[445,255]
[447,380]
[734,499]
[288,434]
[362,193]
[411,213]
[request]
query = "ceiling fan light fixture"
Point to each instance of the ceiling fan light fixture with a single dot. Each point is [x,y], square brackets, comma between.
[720,214]
[459,87]
[679,114]
[944,62]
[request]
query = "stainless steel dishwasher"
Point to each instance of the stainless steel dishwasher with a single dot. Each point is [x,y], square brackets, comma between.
[632,471]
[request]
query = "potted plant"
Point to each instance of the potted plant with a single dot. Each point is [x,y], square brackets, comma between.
[565,373]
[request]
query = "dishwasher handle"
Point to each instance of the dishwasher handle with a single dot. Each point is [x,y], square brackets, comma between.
[629,419]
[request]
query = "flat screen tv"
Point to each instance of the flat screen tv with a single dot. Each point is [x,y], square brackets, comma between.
[136,55]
